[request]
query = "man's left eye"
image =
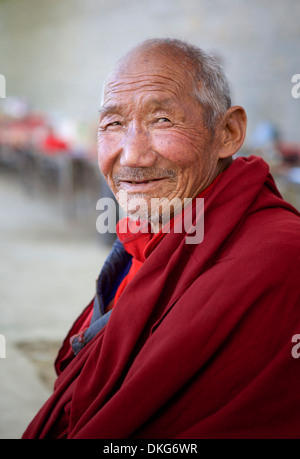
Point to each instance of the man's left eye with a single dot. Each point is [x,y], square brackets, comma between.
[163,120]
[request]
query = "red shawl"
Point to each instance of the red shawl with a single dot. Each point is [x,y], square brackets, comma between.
[200,342]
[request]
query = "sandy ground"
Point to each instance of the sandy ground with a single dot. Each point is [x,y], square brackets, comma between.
[48,268]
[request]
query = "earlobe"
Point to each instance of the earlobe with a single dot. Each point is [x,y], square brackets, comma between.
[234,124]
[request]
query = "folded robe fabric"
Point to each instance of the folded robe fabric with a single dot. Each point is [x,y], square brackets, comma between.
[199,344]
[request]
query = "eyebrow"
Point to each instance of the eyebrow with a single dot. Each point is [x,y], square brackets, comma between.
[158,104]
[110,109]
[166,105]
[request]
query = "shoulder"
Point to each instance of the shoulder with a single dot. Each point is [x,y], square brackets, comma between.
[270,237]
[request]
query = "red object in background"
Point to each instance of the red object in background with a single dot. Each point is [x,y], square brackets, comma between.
[53,144]
[290,152]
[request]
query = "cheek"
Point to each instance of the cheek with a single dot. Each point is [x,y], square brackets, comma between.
[180,148]
[106,156]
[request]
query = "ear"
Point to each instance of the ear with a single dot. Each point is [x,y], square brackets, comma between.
[232,131]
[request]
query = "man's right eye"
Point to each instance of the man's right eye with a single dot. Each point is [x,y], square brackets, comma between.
[114,123]
[109,125]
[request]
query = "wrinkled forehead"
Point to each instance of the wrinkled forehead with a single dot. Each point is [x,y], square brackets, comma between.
[146,72]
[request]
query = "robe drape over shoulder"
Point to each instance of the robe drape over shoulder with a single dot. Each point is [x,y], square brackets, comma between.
[199,344]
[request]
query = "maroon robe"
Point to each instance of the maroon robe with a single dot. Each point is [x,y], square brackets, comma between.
[199,344]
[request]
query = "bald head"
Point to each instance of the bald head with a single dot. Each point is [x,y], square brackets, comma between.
[156,49]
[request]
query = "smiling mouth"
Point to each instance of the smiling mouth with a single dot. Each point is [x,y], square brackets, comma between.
[139,182]
[135,178]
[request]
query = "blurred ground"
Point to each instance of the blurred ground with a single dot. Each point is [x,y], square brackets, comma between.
[48,269]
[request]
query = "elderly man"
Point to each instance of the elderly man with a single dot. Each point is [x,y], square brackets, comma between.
[183,339]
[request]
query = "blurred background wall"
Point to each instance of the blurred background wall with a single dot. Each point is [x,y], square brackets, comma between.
[54,56]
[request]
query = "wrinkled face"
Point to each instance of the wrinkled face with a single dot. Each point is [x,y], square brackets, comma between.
[152,142]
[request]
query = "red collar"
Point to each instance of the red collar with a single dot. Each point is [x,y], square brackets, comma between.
[136,240]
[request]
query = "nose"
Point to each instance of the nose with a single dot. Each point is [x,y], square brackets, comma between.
[136,149]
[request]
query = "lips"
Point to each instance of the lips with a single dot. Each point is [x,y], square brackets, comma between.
[140,185]
[141,181]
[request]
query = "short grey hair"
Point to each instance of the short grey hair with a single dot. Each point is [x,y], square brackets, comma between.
[211,87]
